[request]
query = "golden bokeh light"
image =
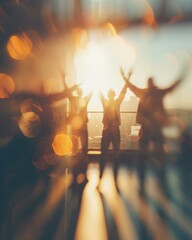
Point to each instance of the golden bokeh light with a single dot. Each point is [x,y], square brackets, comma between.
[30,124]
[19,46]
[64,144]
[7,85]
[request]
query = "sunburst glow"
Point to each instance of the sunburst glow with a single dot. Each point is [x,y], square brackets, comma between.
[97,66]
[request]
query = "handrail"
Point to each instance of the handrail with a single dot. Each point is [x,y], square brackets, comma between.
[120,111]
[102,111]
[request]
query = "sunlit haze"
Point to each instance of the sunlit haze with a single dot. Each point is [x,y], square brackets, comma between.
[98,65]
[93,57]
[84,154]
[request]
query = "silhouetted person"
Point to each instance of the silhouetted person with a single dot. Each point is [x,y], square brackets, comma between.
[41,104]
[151,114]
[33,116]
[38,103]
[78,118]
[111,132]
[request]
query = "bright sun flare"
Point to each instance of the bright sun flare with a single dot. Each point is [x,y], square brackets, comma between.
[98,65]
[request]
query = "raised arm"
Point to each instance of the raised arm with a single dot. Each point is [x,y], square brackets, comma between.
[66,93]
[181,78]
[57,96]
[88,97]
[126,79]
[122,93]
[67,89]
[137,91]
[173,86]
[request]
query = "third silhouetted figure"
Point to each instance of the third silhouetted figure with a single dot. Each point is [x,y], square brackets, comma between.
[151,113]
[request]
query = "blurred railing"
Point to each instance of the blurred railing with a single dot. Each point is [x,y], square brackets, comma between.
[129,130]
[179,121]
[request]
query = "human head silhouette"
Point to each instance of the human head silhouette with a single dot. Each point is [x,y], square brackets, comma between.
[79,92]
[150,82]
[111,93]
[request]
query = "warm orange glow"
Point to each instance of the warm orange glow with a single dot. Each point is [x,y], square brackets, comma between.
[77,122]
[80,37]
[122,219]
[149,17]
[7,86]
[30,124]
[98,66]
[19,46]
[108,30]
[91,208]
[64,144]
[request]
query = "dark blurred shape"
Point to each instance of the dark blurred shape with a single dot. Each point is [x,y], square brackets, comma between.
[30,105]
[186,146]
[151,114]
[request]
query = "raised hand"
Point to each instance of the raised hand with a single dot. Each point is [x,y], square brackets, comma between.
[123,75]
[126,79]
[129,74]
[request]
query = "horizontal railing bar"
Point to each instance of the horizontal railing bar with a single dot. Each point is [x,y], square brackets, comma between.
[102,112]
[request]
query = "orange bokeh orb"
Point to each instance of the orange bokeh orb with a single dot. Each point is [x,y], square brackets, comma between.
[64,144]
[19,46]
[7,85]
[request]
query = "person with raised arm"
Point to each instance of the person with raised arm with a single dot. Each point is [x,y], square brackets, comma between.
[111,131]
[151,113]
[78,117]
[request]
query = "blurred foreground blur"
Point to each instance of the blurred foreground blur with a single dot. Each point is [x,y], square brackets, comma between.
[48,189]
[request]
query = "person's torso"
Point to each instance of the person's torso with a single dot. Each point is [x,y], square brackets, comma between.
[111,115]
[78,107]
[151,106]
